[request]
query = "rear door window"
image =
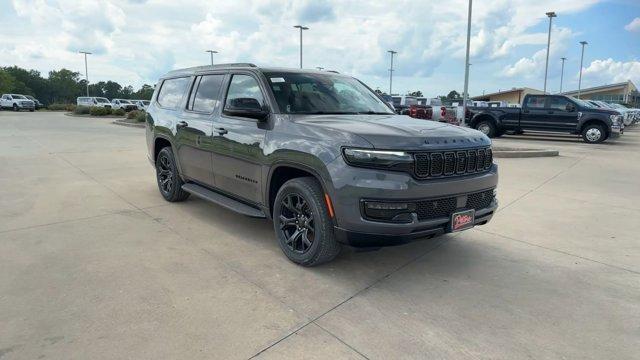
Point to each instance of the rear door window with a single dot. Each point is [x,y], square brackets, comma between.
[172,91]
[535,102]
[206,92]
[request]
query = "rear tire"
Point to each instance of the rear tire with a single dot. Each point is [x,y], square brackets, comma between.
[487,127]
[593,134]
[302,223]
[168,178]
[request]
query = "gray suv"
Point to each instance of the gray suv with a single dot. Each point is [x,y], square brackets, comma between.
[320,154]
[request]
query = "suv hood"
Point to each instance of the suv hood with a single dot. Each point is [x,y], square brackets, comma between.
[399,131]
[604,111]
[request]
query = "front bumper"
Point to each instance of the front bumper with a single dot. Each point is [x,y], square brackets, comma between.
[426,230]
[616,131]
[352,185]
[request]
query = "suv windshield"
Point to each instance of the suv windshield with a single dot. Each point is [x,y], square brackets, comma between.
[125,102]
[146,102]
[311,93]
[102,100]
[18,97]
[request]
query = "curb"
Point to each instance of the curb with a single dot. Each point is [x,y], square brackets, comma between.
[128,124]
[94,117]
[504,152]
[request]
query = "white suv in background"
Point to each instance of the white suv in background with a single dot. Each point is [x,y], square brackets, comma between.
[93,101]
[141,104]
[16,102]
[123,104]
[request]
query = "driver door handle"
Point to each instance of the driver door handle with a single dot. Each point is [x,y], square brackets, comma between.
[181,124]
[221,131]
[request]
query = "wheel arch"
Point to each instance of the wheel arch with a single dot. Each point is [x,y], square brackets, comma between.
[482,117]
[283,172]
[597,121]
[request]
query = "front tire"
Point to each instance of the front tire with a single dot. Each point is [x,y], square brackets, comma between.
[487,127]
[593,134]
[302,223]
[168,178]
[15,107]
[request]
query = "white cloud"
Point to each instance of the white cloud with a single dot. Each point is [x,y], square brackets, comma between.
[610,71]
[533,67]
[135,41]
[634,25]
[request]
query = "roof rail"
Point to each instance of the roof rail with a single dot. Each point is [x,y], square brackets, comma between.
[235,65]
[333,71]
[208,67]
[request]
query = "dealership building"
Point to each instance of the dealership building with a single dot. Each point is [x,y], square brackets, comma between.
[511,96]
[624,92]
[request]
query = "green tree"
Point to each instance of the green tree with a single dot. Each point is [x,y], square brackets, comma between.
[453,95]
[6,82]
[416,93]
[65,86]
[112,90]
[144,93]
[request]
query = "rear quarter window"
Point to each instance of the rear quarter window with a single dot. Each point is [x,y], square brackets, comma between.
[172,91]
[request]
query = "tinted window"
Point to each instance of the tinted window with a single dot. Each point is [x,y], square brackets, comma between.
[535,102]
[206,93]
[243,87]
[558,103]
[171,92]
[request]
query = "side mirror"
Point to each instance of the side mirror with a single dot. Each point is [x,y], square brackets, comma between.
[246,107]
[570,107]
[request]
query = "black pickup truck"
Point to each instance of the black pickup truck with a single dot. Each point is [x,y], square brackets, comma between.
[553,113]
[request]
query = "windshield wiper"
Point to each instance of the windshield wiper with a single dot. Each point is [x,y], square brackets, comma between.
[374,113]
[326,113]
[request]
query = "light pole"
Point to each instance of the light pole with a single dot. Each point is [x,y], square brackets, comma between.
[583,43]
[211,52]
[301,28]
[562,72]
[465,94]
[86,69]
[391,52]
[551,15]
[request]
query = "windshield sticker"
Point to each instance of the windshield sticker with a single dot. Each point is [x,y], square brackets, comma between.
[277,80]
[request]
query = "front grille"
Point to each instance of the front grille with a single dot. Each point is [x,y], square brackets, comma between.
[451,163]
[444,207]
[480,200]
[431,209]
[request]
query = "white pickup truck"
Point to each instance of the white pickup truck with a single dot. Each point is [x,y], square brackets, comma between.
[16,102]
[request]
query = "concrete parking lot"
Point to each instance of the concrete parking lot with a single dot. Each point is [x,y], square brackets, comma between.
[94,264]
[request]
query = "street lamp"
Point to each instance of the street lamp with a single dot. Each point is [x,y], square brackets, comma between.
[86,71]
[211,52]
[551,15]
[301,28]
[391,52]
[562,72]
[465,94]
[583,43]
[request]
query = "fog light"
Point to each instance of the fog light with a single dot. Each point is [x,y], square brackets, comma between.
[388,211]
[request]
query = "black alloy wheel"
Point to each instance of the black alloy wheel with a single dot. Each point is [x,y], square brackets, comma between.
[303,222]
[169,182]
[297,223]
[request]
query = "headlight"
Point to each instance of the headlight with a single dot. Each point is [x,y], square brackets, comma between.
[379,159]
[615,118]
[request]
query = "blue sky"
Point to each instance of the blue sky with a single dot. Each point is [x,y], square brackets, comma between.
[136,41]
